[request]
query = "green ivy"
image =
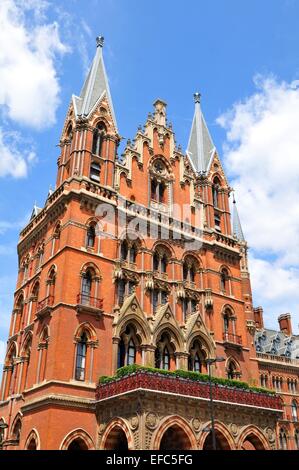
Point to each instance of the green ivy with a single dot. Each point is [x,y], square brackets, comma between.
[184,374]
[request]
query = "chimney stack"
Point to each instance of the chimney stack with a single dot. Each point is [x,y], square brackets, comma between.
[285,324]
[258,317]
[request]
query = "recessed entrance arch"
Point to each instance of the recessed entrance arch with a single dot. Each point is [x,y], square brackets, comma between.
[78,444]
[117,436]
[221,442]
[78,439]
[174,434]
[252,439]
[175,438]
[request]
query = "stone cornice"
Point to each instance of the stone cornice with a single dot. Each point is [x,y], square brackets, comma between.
[67,401]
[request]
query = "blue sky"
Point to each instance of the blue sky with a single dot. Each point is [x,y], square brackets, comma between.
[243,58]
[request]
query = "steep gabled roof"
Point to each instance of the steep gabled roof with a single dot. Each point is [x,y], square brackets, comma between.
[200,148]
[96,86]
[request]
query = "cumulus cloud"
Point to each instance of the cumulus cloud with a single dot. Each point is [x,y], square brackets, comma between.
[29,85]
[14,159]
[261,156]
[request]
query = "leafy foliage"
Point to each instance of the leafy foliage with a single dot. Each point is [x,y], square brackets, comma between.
[184,374]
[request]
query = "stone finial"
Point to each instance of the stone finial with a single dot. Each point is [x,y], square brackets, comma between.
[100,41]
[197,97]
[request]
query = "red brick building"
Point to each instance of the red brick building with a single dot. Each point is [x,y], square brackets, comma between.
[136,259]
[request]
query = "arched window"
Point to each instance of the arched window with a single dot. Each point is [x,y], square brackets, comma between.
[166,359]
[10,370]
[294,411]
[283,442]
[81,357]
[51,285]
[164,354]
[159,181]
[191,271]
[131,353]
[86,287]
[98,138]
[124,250]
[161,260]
[26,352]
[164,262]
[56,239]
[32,309]
[197,357]
[224,281]
[16,433]
[127,347]
[91,236]
[18,312]
[233,371]
[42,355]
[215,190]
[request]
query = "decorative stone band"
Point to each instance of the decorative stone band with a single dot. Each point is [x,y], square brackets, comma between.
[176,385]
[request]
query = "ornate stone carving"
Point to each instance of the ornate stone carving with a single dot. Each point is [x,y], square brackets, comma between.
[151,420]
[134,422]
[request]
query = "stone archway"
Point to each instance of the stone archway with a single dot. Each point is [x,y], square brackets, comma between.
[78,444]
[117,436]
[252,439]
[221,442]
[175,438]
[174,434]
[116,440]
[78,439]
[224,440]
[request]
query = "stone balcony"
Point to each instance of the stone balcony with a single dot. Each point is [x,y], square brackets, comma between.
[143,380]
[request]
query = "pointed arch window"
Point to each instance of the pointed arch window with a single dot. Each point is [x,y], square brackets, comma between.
[283,442]
[197,357]
[98,138]
[164,354]
[166,359]
[91,236]
[16,433]
[81,357]
[294,411]
[127,348]
[131,353]
[215,191]
[128,251]
[86,287]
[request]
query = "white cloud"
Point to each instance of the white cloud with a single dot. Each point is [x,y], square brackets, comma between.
[29,85]
[262,157]
[14,161]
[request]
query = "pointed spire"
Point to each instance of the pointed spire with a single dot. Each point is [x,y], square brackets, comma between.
[200,146]
[237,228]
[96,85]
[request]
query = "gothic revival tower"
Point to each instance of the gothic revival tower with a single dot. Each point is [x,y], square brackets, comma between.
[132,260]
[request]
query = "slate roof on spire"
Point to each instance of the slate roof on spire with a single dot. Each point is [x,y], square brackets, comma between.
[200,146]
[237,228]
[96,86]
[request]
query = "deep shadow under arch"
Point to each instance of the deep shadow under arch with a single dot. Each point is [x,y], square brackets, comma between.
[116,440]
[175,438]
[221,442]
